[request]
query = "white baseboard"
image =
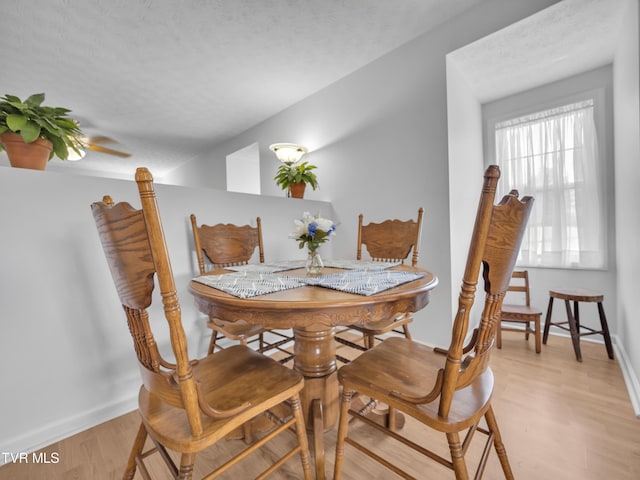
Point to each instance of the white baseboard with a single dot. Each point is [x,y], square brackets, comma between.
[629,375]
[65,427]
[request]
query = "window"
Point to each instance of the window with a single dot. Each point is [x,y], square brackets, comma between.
[553,155]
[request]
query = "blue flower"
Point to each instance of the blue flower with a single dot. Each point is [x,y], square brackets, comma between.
[313,226]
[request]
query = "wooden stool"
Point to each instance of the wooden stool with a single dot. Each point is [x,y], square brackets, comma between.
[577,295]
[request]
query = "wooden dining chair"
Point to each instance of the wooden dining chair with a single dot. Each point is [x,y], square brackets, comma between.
[446,390]
[188,405]
[227,245]
[522,313]
[388,241]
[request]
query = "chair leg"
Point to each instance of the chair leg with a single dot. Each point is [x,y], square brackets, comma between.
[547,321]
[492,423]
[457,456]
[343,426]
[499,335]
[391,422]
[247,434]
[369,340]
[136,450]
[536,325]
[576,315]
[302,438]
[407,334]
[186,466]
[574,327]
[605,330]
[212,342]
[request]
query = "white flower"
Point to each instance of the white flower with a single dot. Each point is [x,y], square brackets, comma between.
[300,229]
[325,224]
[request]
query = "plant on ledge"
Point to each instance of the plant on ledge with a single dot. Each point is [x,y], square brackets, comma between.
[294,177]
[30,122]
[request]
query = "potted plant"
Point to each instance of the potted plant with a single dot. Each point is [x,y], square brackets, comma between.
[37,131]
[294,178]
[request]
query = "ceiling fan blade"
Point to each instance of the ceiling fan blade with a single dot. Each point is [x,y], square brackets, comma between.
[109,151]
[100,139]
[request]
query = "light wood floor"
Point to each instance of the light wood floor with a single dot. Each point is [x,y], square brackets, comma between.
[560,419]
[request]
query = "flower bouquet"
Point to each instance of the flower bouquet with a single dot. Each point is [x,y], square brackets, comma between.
[312,231]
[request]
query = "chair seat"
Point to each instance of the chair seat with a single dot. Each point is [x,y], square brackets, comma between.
[408,367]
[383,326]
[513,311]
[228,378]
[235,330]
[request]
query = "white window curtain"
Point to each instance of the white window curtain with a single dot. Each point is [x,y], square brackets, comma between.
[553,155]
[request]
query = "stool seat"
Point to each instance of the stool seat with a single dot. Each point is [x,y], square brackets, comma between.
[577,295]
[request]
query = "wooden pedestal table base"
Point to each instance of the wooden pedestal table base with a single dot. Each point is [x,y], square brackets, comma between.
[315,359]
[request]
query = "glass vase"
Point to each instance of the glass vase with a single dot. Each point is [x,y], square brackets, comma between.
[314,263]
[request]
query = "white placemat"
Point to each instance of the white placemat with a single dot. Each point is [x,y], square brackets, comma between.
[359,264]
[249,284]
[257,268]
[363,282]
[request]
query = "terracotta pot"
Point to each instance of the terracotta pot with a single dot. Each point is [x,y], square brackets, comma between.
[34,155]
[297,190]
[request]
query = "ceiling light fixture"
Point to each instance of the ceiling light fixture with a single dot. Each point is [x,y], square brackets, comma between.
[288,153]
[74,155]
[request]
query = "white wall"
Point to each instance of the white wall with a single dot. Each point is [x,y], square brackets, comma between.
[627,178]
[66,353]
[379,138]
[466,169]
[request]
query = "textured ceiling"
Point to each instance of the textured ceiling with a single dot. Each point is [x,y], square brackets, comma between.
[169,79]
[570,37]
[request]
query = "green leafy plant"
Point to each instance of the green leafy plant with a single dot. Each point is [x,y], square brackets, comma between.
[302,173]
[32,120]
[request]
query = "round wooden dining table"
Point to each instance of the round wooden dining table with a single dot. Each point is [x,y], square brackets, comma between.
[313,313]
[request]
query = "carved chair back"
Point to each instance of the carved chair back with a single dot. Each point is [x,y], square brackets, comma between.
[391,240]
[226,245]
